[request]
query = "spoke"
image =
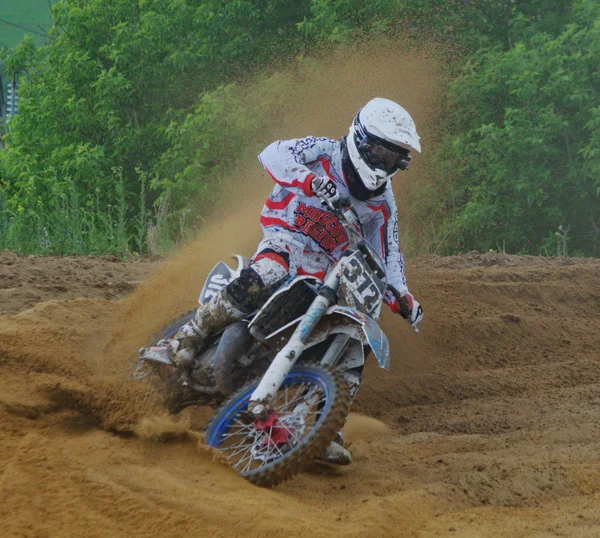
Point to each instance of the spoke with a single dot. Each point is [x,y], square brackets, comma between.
[243,460]
[293,412]
[314,412]
[242,425]
[278,449]
[241,445]
[301,408]
[240,431]
[291,432]
[248,465]
[240,452]
[283,406]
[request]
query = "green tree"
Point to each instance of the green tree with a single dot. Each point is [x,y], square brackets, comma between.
[527,156]
[114,82]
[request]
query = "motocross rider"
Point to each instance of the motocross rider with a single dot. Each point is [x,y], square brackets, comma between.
[301,237]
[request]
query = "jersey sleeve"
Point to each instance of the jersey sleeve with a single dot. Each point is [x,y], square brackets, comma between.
[382,234]
[394,260]
[285,161]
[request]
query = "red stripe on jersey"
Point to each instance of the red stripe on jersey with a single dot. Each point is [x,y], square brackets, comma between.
[294,183]
[270,221]
[320,275]
[271,204]
[326,166]
[274,257]
[382,208]
[382,239]
[386,216]
[304,185]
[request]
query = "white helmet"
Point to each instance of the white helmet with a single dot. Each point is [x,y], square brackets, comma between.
[379,140]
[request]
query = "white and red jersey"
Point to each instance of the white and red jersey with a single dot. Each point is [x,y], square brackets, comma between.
[294,214]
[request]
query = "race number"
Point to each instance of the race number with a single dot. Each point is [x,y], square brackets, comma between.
[219,277]
[358,288]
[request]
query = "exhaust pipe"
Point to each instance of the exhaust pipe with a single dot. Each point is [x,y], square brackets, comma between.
[235,341]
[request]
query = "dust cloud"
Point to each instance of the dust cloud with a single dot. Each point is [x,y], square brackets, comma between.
[321,99]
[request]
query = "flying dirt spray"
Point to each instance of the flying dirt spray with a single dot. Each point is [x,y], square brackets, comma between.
[321,97]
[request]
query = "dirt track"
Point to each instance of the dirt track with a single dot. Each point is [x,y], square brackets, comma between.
[487,425]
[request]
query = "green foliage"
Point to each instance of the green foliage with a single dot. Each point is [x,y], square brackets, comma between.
[25,17]
[464,23]
[527,156]
[113,89]
[223,124]
[67,223]
[131,110]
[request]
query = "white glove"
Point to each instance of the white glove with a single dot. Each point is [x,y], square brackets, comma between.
[411,310]
[405,305]
[325,189]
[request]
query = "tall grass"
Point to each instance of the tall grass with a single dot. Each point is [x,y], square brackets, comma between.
[71,224]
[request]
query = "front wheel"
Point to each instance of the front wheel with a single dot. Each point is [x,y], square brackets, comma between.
[304,417]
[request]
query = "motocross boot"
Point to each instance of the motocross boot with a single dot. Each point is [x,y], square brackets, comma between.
[336,453]
[210,318]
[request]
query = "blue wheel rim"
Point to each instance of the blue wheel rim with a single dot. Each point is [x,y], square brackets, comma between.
[242,400]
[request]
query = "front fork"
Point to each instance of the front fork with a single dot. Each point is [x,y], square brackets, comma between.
[287,357]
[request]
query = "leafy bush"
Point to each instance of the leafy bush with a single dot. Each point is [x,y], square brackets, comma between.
[526,159]
[113,89]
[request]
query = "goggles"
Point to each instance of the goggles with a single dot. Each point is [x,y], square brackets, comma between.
[379,153]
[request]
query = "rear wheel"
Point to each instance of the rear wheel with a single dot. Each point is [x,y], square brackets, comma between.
[304,417]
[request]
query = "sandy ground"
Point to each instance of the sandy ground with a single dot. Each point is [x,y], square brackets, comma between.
[487,424]
[28,280]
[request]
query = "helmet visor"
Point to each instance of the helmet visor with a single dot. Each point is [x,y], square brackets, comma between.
[384,158]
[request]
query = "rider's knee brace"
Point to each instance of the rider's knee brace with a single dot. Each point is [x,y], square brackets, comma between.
[255,285]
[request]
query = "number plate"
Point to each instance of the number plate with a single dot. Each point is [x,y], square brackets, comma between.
[359,287]
[219,277]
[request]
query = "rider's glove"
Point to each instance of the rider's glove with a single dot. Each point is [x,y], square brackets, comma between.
[411,310]
[325,188]
[405,305]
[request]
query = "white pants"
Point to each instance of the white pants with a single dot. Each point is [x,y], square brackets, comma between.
[278,255]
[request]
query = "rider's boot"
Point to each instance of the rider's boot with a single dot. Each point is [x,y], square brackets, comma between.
[336,453]
[210,318]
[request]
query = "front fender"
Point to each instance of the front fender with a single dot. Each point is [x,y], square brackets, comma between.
[371,332]
[375,336]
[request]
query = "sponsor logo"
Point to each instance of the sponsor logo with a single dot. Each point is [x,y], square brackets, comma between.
[304,144]
[321,226]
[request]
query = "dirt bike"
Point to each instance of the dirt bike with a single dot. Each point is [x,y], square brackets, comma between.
[288,371]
